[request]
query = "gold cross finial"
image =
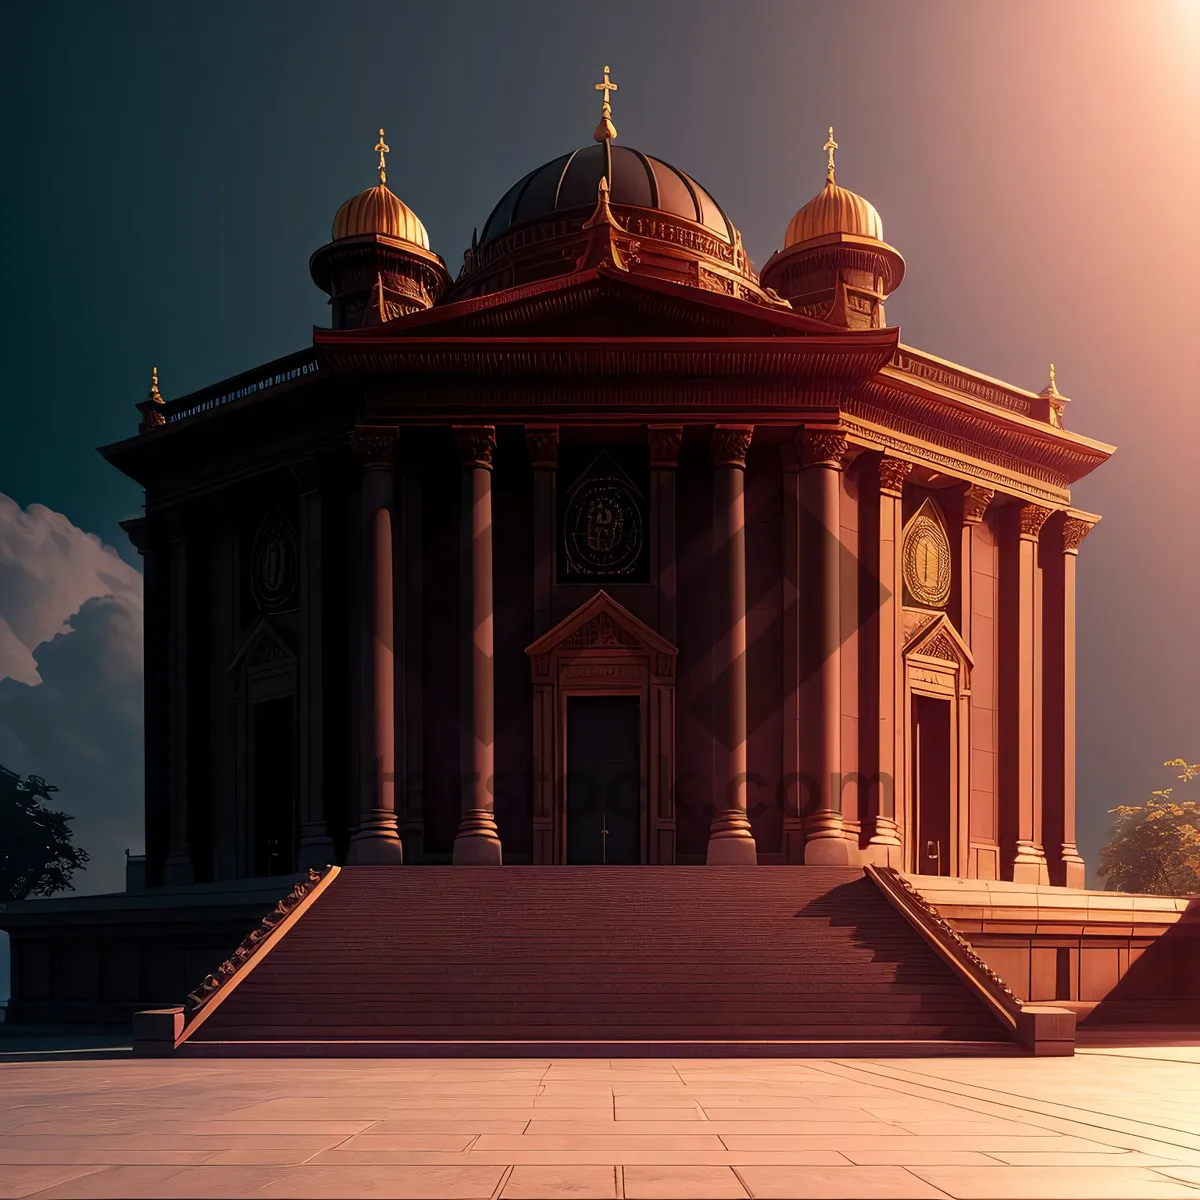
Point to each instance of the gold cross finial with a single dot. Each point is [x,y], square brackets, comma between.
[606,130]
[383,149]
[830,146]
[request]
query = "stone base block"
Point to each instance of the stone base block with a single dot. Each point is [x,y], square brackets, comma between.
[1046,1030]
[828,852]
[155,1031]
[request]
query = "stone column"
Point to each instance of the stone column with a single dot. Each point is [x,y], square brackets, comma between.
[1060,546]
[316,846]
[664,441]
[792,794]
[729,840]
[1025,644]
[373,836]
[478,840]
[885,845]
[823,454]
[542,442]
[178,868]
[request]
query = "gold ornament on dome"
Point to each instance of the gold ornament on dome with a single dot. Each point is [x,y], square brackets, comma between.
[927,559]
[606,130]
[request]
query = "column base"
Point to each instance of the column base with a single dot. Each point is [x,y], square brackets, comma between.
[730,842]
[179,872]
[316,846]
[825,845]
[375,843]
[1073,868]
[478,841]
[884,848]
[1029,864]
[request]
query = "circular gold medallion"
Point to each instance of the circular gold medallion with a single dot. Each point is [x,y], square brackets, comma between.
[927,561]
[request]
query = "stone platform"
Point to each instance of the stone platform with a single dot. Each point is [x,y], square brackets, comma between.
[1110,1122]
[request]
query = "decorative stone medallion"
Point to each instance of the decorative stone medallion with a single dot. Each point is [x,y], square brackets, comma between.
[603,532]
[274,564]
[927,559]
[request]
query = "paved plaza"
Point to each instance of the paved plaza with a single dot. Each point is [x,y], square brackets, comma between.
[1107,1123]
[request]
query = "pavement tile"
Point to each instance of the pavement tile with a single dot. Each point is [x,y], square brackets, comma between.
[103,1158]
[561,1183]
[465,1182]
[1054,1183]
[16,1181]
[682,1183]
[615,1140]
[836,1183]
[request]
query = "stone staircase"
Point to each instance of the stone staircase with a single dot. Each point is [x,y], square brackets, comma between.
[552,955]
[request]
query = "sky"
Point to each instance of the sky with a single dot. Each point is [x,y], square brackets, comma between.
[170,169]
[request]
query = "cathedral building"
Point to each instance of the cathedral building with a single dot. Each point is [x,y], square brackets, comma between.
[609,548]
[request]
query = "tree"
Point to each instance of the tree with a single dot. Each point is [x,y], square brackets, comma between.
[37,857]
[1155,847]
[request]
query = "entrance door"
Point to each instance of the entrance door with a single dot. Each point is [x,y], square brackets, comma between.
[274,788]
[604,786]
[931,784]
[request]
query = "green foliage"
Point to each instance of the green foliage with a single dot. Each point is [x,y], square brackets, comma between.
[1155,847]
[37,857]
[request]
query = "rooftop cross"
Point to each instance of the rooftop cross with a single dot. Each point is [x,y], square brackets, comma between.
[383,149]
[606,130]
[830,146]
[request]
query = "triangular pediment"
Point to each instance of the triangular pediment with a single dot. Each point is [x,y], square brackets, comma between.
[263,647]
[601,624]
[936,637]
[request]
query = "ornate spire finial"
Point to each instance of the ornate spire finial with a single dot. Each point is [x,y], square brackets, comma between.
[606,130]
[382,148]
[1053,389]
[151,407]
[830,146]
[155,396]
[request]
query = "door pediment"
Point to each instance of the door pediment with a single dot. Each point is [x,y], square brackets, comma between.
[937,638]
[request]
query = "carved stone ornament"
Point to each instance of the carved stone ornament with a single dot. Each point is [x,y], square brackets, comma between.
[926,558]
[542,441]
[664,441]
[730,444]
[976,499]
[824,448]
[600,633]
[1033,517]
[892,474]
[374,444]
[476,446]
[603,527]
[274,564]
[1075,529]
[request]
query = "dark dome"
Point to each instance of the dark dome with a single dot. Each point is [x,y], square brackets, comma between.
[637,179]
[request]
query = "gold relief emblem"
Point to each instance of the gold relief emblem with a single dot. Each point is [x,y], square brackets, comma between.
[927,558]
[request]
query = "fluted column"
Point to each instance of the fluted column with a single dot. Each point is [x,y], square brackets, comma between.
[729,840]
[823,454]
[885,843]
[178,868]
[1025,718]
[1060,545]
[316,846]
[373,837]
[478,840]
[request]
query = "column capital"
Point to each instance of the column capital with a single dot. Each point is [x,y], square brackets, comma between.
[892,474]
[542,443]
[1074,530]
[823,446]
[730,444]
[138,531]
[375,445]
[1031,518]
[476,446]
[976,499]
[664,441]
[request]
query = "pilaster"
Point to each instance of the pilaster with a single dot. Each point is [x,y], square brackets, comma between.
[664,442]
[178,869]
[542,443]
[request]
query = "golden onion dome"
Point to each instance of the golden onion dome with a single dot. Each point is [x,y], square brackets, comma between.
[379,210]
[834,210]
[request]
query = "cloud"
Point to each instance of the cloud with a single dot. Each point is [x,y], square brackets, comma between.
[71,680]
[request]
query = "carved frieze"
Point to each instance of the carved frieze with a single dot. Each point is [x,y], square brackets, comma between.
[600,633]
[824,448]
[476,446]
[730,444]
